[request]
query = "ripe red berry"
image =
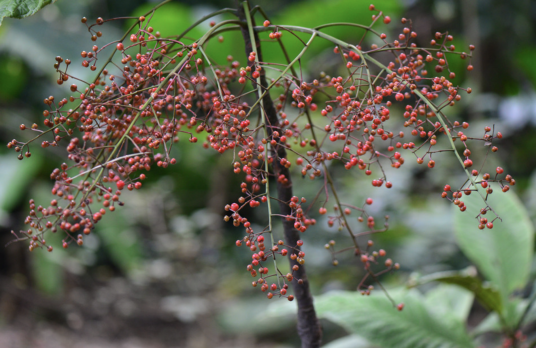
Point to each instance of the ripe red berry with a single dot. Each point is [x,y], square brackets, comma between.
[467,163]
[387,19]
[400,306]
[120,184]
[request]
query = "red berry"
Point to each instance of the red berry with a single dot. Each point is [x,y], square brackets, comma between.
[387,19]
[400,306]
[120,184]
[467,163]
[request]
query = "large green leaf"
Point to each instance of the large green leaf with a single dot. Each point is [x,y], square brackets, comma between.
[484,292]
[374,318]
[351,341]
[21,8]
[452,300]
[493,323]
[120,240]
[172,19]
[16,175]
[504,253]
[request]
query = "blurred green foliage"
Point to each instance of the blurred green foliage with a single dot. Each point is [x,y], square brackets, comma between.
[132,247]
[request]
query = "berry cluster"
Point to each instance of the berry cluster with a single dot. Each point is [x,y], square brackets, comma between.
[128,119]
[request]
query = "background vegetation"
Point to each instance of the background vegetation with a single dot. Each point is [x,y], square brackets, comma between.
[166,273]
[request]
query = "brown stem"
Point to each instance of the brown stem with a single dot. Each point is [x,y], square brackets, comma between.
[309,328]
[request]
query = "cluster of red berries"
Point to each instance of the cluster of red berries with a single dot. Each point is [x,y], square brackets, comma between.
[127,120]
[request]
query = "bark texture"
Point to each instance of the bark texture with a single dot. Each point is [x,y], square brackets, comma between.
[309,328]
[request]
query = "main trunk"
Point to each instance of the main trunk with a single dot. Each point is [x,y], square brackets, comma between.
[309,328]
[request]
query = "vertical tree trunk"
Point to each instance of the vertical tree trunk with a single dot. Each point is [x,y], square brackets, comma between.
[309,328]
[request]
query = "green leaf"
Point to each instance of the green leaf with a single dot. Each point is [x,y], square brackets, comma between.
[313,13]
[120,240]
[450,300]
[21,8]
[504,253]
[492,323]
[484,292]
[235,317]
[524,57]
[351,341]
[16,175]
[374,318]
[172,19]
[47,271]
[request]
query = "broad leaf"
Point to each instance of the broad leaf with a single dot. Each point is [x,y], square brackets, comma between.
[120,241]
[351,341]
[21,8]
[492,323]
[377,320]
[16,175]
[484,292]
[450,300]
[504,253]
